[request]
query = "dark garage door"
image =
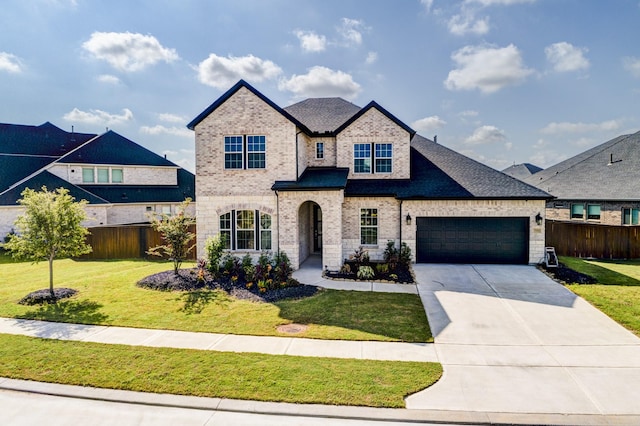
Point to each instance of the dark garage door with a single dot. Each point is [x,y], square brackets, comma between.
[472,240]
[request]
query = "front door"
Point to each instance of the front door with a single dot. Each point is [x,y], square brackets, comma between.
[317,229]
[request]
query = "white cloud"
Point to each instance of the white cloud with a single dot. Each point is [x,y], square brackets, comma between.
[466,23]
[486,134]
[566,57]
[96,116]
[10,63]
[630,63]
[567,127]
[108,79]
[221,72]
[371,58]
[128,51]
[351,31]
[427,4]
[321,82]
[428,124]
[163,130]
[486,68]
[468,113]
[310,41]
[172,118]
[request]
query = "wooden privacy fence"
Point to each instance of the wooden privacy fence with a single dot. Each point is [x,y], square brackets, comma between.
[125,242]
[589,240]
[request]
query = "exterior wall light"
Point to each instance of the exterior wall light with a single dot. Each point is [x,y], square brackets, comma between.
[408,219]
[538,219]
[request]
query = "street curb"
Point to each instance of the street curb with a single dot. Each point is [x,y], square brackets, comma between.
[310,410]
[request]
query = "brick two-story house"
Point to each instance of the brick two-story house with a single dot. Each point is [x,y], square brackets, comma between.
[121,180]
[326,176]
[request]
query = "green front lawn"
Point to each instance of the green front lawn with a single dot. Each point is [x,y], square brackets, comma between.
[108,296]
[215,374]
[617,293]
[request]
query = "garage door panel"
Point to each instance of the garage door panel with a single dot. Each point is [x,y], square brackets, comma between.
[472,240]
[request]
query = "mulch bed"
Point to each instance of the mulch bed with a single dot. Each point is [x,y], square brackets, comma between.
[43,296]
[187,280]
[404,275]
[568,275]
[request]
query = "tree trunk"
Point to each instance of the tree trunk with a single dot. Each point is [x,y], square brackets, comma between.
[53,295]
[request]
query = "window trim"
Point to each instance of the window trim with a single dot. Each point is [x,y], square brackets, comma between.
[372,159]
[572,216]
[245,153]
[631,211]
[373,216]
[231,229]
[595,218]
[319,150]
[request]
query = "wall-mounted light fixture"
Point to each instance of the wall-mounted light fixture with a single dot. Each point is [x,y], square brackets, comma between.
[538,219]
[408,219]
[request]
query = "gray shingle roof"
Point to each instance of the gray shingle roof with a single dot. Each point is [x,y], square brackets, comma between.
[521,171]
[315,178]
[323,115]
[463,177]
[591,175]
[112,148]
[45,140]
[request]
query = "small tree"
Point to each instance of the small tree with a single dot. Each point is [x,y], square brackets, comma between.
[50,228]
[175,234]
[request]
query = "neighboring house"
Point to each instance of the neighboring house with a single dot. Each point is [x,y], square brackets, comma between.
[121,180]
[521,171]
[325,176]
[600,185]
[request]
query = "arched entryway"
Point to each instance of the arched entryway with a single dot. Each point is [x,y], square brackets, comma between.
[309,230]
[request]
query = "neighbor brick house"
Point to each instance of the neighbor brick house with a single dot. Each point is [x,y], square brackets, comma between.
[121,180]
[599,186]
[326,176]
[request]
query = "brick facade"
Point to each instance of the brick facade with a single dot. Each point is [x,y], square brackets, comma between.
[132,175]
[610,211]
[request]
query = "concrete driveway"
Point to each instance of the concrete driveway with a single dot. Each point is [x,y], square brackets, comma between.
[512,340]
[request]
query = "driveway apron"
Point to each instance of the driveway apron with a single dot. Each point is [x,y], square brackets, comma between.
[512,340]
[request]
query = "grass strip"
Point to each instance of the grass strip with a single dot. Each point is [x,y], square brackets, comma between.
[108,296]
[244,376]
[617,293]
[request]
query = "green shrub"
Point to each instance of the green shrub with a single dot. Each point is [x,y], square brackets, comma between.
[366,272]
[405,255]
[214,248]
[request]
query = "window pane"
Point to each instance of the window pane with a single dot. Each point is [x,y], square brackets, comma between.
[577,211]
[256,144]
[320,150]
[634,216]
[362,158]
[369,226]
[256,161]
[245,240]
[226,235]
[116,176]
[87,175]
[166,209]
[383,166]
[593,212]
[369,236]
[103,175]
[233,152]
[265,240]
[244,219]
[265,221]
[225,221]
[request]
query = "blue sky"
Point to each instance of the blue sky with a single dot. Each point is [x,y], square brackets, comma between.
[502,81]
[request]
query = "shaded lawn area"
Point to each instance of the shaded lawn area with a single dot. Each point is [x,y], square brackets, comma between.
[108,296]
[215,374]
[617,292]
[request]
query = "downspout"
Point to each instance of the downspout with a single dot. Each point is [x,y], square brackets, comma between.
[400,223]
[278,216]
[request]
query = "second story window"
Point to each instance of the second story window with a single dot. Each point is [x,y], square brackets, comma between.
[102,175]
[362,158]
[319,150]
[378,154]
[245,152]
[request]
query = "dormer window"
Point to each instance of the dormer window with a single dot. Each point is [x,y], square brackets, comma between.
[103,175]
[378,154]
